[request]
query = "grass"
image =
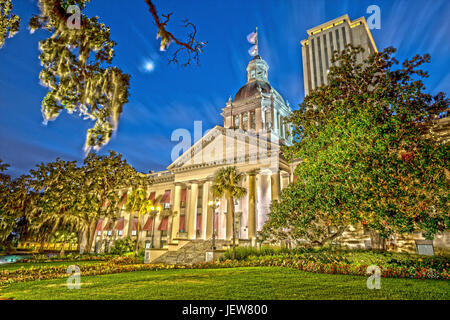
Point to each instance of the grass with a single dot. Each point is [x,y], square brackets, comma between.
[26,265]
[234,283]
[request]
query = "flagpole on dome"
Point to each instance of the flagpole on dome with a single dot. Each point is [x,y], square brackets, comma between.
[253,39]
[257,47]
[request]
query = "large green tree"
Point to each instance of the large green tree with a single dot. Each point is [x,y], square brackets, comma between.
[17,200]
[227,183]
[77,59]
[76,69]
[56,189]
[103,178]
[62,197]
[9,22]
[6,221]
[367,154]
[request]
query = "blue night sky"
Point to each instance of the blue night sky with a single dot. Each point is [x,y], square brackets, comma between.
[172,97]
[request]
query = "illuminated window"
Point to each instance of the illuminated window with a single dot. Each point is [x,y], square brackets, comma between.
[245,121]
[252,120]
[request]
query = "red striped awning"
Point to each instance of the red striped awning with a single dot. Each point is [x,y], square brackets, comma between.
[148,225]
[99,225]
[166,197]
[120,224]
[164,224]
[199,222]
[183,195]
[108,226]
[135,224]
[152,196]
[182,223]
[123,200]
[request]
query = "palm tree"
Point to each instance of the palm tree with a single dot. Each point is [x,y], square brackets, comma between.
[226,183]
[137,200]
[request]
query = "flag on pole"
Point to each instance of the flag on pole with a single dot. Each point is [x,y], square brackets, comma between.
[253,37]
[253,51]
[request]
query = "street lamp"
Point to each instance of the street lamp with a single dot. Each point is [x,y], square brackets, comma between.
[213,205]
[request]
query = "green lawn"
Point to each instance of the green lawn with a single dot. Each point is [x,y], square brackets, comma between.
[234,283]
[14,266]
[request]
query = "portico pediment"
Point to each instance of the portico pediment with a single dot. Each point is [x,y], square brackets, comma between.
[220,146]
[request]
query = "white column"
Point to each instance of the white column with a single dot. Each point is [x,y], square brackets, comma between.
[205,211]
[210,213]
[275,179]
[192,213]
[251,208]
[258,119]
[176,209]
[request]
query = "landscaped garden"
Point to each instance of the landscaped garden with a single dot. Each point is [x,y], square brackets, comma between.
[266,273]
[231,283]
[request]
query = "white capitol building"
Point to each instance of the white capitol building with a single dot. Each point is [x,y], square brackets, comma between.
[254,130]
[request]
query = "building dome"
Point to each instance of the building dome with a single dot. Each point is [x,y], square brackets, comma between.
[252,88]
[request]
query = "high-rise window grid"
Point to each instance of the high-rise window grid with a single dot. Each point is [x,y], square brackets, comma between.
[320,61]
[344,36]
[314,62]
[337,40]
[325,47]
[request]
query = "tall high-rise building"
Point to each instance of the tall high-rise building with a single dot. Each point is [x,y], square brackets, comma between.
[333,35]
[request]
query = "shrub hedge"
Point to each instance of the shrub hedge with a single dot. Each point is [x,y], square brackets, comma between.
[353,257]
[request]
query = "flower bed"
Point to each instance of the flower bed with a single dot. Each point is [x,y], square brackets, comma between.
[110,267]
[43,258]
[125,264]
[337,267]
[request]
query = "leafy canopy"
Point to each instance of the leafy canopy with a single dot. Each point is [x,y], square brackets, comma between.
[367,153]
[76,70]
[9,22]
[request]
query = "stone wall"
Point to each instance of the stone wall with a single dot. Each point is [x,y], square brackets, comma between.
[192,252]
[355,238]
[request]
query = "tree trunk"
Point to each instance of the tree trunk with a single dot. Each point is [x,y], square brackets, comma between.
[377,242]
[41,248]
[91,236]
[61,253]
[233,228]
[137,234]
[84,235]
[80,240]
